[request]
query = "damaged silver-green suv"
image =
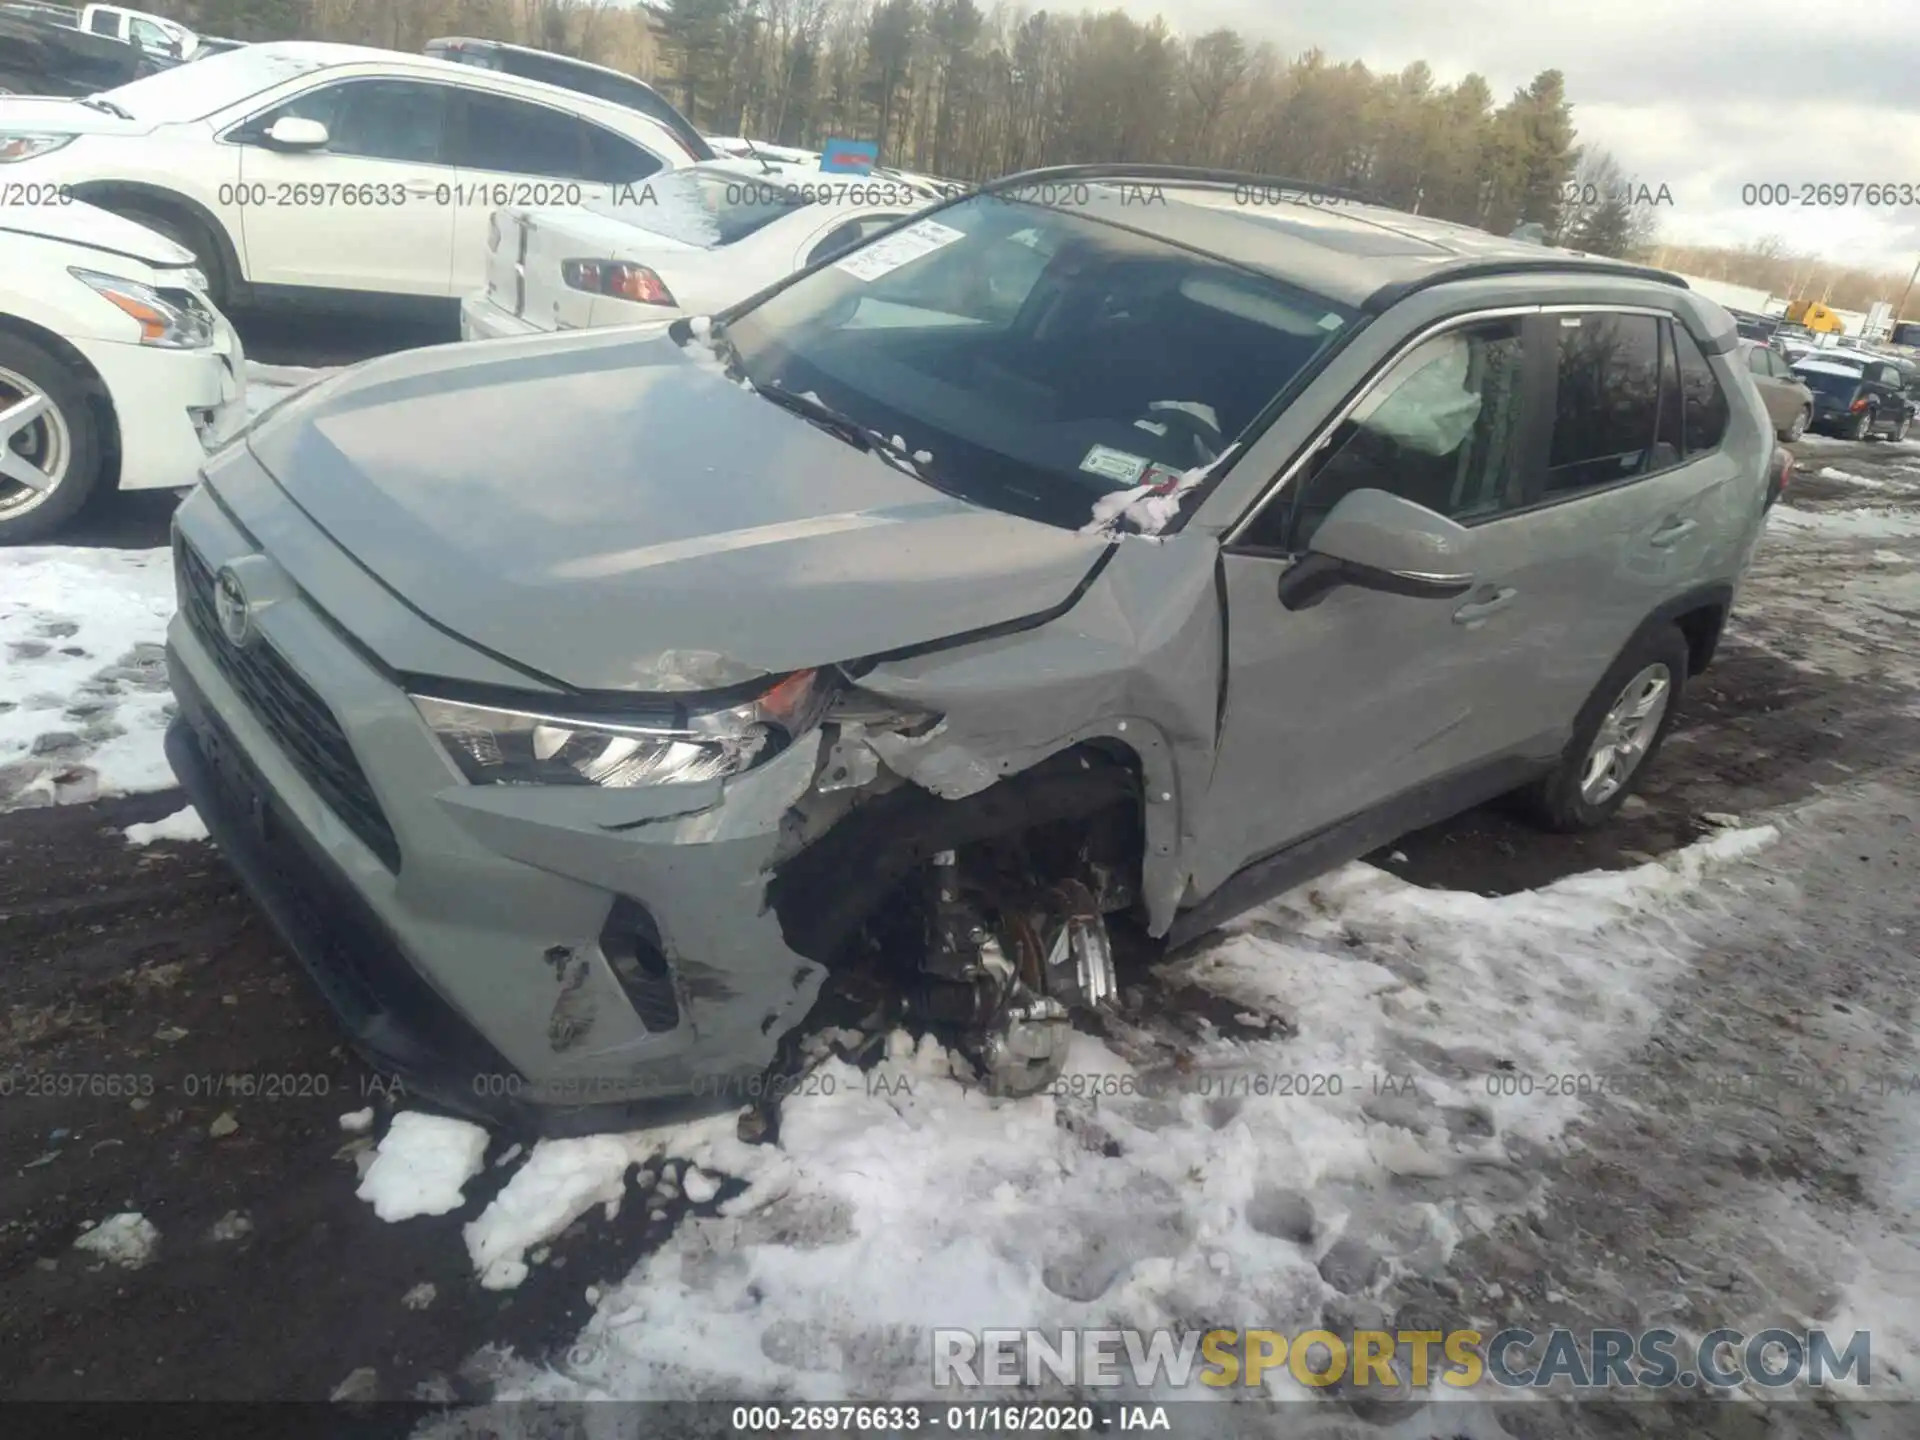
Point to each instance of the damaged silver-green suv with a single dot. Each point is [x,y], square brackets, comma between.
[1105,545]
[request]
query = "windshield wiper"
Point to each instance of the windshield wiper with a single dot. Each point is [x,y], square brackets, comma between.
[825,416]
[107,107]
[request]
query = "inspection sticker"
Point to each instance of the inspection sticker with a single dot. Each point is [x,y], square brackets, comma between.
[885,256]
[1115,465]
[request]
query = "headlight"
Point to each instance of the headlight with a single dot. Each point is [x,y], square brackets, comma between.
[163,322]
[28,146]
[498,746]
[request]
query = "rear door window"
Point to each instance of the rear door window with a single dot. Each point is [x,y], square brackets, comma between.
[1606,401]
[517,138]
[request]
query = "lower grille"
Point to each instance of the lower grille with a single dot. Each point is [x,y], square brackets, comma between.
[292,713]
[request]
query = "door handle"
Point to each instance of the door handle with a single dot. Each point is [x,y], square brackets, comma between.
[1671,534]
[1474,611]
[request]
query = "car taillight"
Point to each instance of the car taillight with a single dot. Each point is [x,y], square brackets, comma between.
[1859,404]
[619,278]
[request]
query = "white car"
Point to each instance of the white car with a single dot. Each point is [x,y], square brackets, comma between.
[292,168]
[687,243]
[115,368]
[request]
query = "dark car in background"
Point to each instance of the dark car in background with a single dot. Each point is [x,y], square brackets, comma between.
[41,57]
[1857,396]
[571,74]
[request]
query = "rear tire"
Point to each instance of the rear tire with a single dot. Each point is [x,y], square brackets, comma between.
[1900,430]
[1858,428]
[1575,795]
[63,443]
[1799,426]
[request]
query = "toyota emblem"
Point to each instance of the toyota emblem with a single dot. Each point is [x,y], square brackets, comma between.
[230,604]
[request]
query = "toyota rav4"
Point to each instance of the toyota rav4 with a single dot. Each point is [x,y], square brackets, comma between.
[1090,550]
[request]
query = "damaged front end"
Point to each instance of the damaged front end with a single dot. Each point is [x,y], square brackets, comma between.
[982,915]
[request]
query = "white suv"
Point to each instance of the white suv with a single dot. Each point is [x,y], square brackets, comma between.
[300,167]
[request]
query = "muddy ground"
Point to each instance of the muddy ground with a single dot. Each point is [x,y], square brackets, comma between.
[147,969]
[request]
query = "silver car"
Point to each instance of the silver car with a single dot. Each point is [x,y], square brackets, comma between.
[589,711]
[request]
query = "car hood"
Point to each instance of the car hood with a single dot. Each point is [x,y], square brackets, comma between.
[610,512]
[54,115]
[78,223]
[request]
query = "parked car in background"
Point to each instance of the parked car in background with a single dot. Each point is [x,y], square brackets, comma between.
[115,368]
[39,57]
[690,242]
[1755,327]
[309,171]
[578,706]
[155,34]
[1788,400]
[581,76]
[1857,396]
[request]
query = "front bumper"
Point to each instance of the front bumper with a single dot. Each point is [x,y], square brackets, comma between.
[173,406]
[481,319]
[570,956]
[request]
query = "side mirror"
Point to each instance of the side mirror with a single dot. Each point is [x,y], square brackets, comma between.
[1379,541]
[290,132]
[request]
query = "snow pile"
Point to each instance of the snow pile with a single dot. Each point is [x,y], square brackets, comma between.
[181,825]
[563,1179]
[83,678]
[126,1239]
[1239,1181]
[422,1165]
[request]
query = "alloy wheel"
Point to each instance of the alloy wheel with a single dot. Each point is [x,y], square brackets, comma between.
[1626,734]
[36,448]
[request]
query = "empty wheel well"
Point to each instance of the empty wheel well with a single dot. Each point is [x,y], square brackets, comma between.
[825,894]
[1702,627]
[63,350]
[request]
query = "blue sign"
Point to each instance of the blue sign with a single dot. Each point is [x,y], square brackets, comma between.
[849,157]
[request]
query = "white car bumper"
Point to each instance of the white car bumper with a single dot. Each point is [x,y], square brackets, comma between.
[481,319]
[172,406]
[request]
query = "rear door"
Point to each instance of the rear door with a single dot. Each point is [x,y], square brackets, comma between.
[1620,517]
[517,152]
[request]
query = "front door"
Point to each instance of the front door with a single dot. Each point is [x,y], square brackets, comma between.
[1336,709]
[370,211]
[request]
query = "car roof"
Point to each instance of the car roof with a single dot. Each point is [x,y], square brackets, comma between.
[311,57]
[1335,244]
[478,42]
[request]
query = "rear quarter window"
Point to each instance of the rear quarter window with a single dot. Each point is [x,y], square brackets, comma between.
[1703,403]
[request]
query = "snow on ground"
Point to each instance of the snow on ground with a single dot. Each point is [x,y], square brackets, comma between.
[181,825]
[422,1164]
[83,677]
[126,1239]
[84,702]
[1252,1183]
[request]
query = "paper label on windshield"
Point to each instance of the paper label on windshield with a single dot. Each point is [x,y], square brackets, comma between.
[883,257]
[1115,465]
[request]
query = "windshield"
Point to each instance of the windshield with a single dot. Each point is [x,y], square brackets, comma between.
[707,208]
[191,92]
[1034,360]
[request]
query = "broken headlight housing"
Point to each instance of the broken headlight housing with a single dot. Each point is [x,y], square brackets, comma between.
[495,745]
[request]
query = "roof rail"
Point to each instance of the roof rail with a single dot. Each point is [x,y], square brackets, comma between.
[1389,295]
[1174,174]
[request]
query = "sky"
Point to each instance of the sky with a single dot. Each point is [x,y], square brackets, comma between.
[1702,96]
